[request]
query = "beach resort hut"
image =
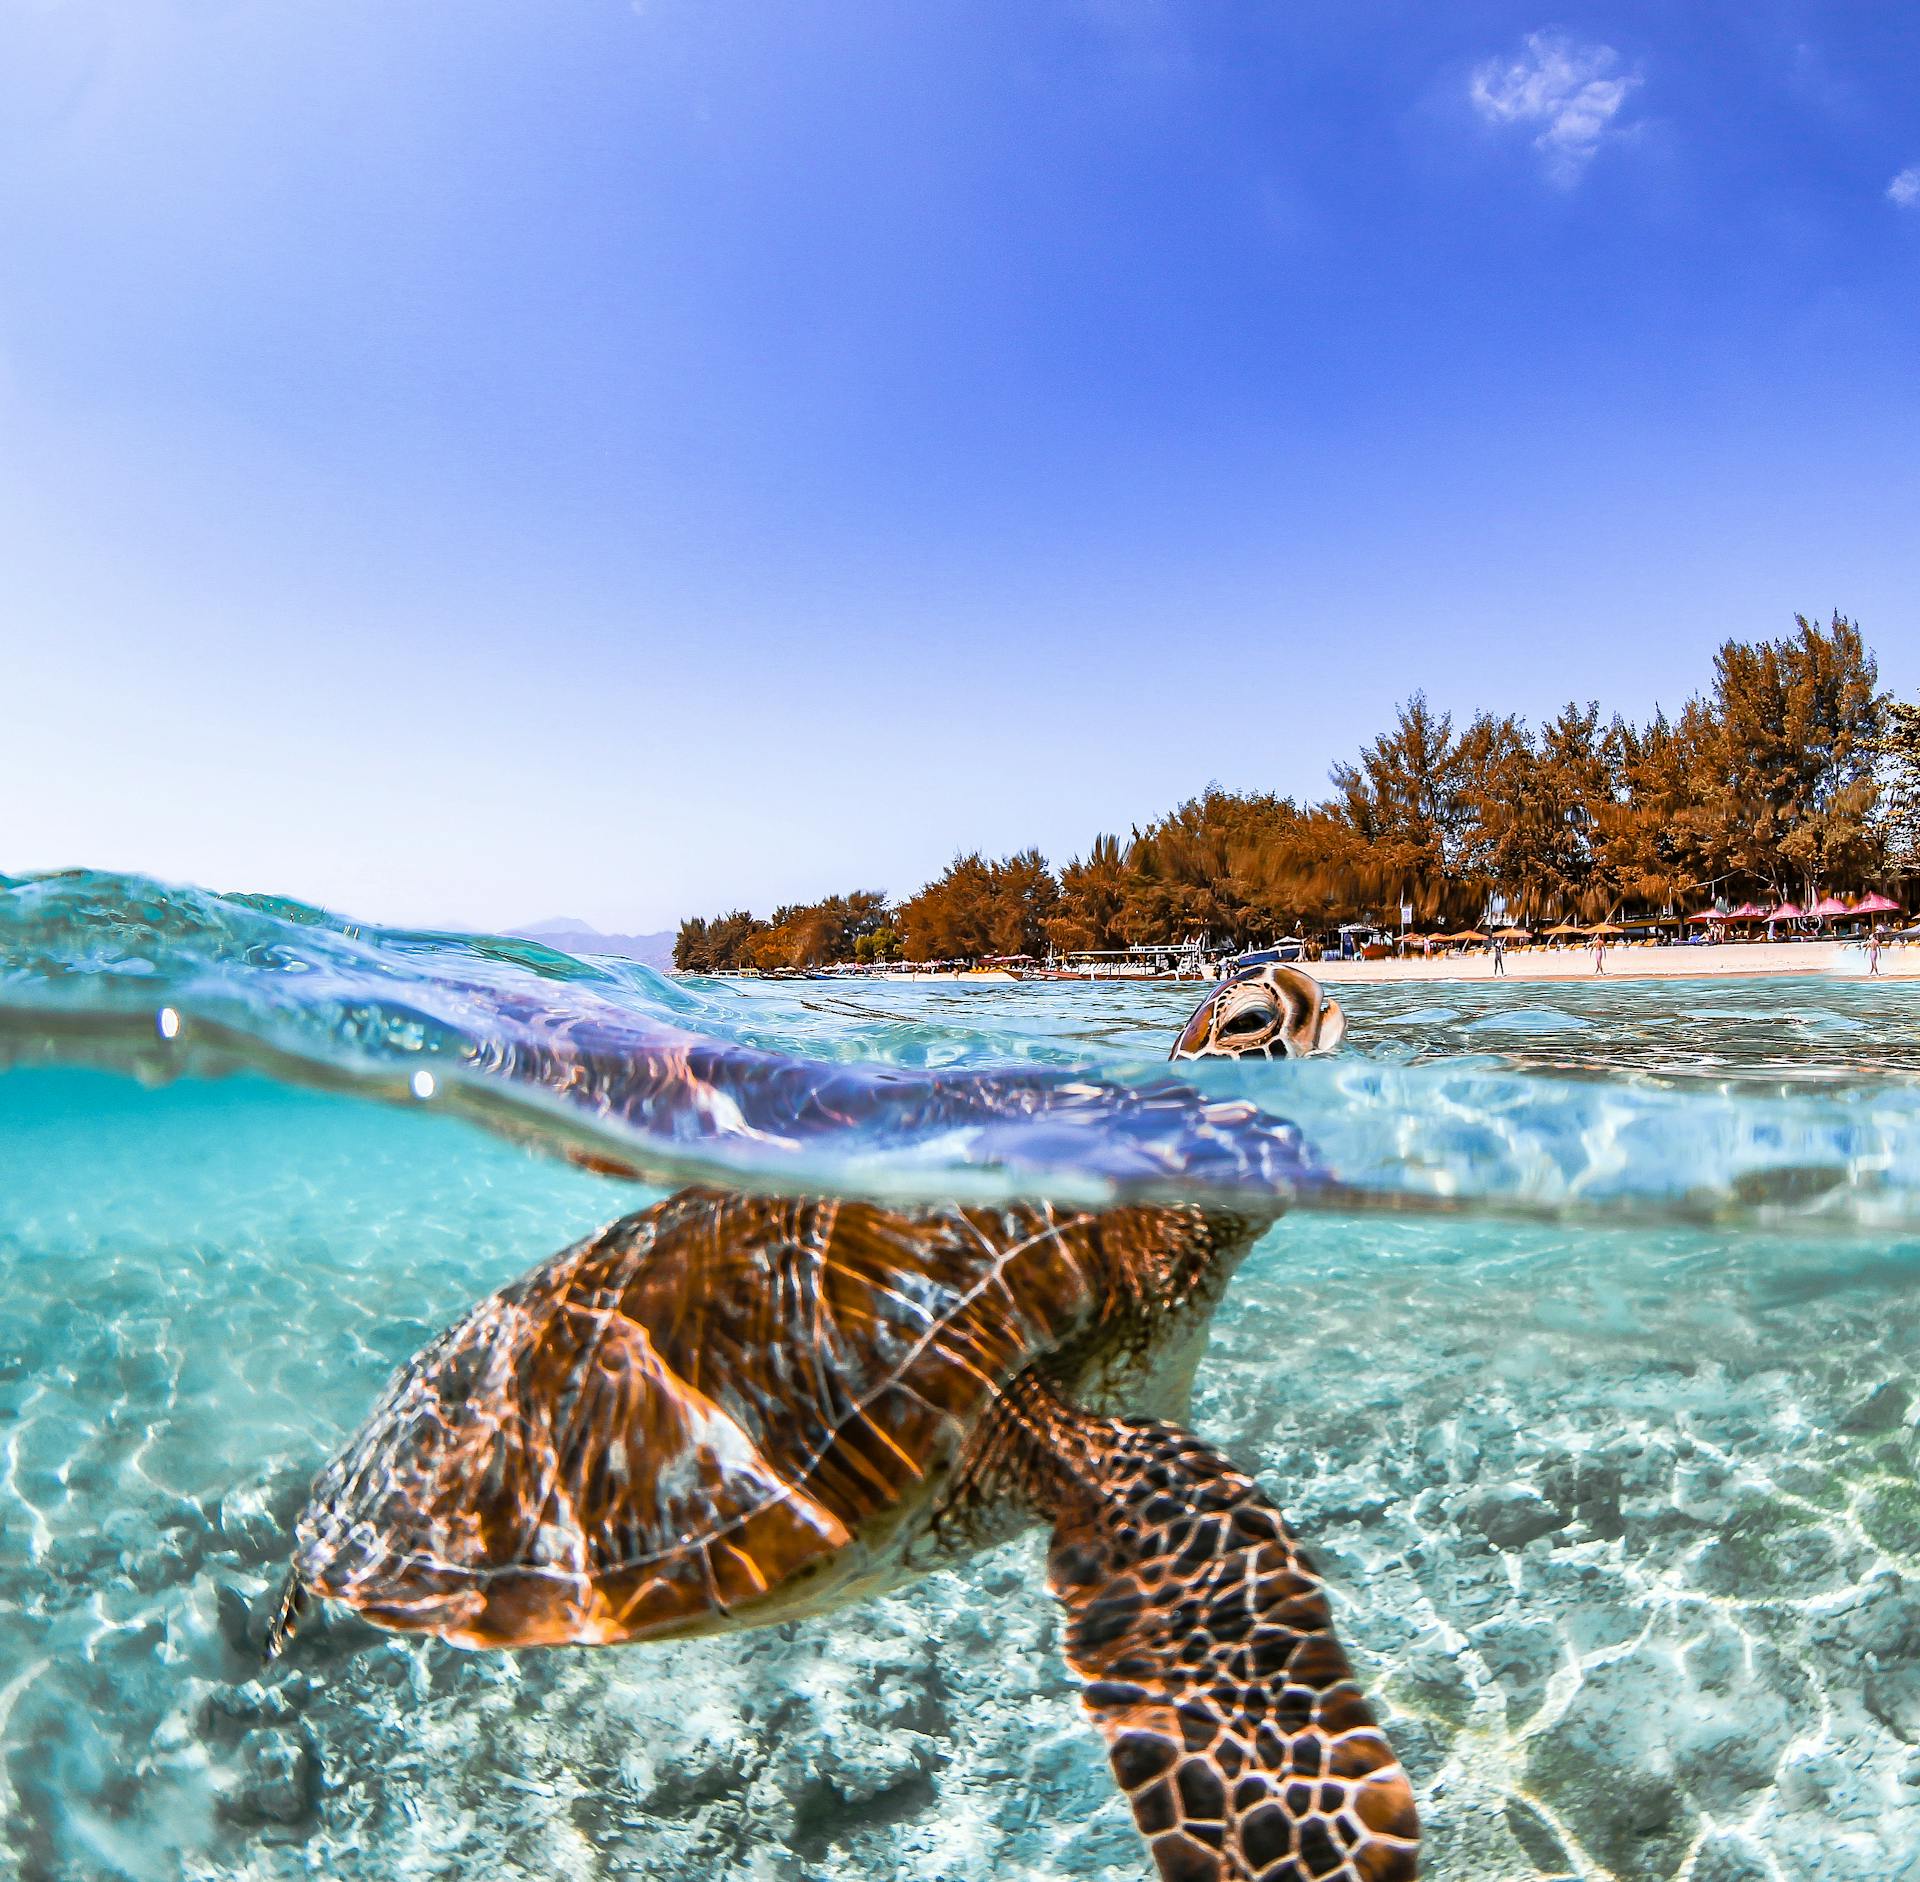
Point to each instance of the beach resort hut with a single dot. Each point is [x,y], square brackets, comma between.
[1649,928]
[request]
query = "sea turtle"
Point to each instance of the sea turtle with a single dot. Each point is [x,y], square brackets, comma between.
[728,1410]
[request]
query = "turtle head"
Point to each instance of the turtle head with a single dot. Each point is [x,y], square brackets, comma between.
[1271,1012]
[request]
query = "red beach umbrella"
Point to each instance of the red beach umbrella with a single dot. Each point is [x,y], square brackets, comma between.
[1829,906]
[1709,914]
[1787,911]
[1875,904]
[1747,911]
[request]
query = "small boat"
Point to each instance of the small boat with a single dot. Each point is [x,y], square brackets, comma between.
[1144,961]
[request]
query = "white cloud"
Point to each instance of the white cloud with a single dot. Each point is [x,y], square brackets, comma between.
[1570,89]
[1905,188]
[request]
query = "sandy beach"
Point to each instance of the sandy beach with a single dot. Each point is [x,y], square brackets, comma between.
[1847,959]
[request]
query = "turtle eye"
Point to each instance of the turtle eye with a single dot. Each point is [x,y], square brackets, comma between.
[1245,1023]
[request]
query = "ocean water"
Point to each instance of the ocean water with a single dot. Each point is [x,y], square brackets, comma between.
[1584,1362]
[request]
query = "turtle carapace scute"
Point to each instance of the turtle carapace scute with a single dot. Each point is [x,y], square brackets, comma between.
[730,1410]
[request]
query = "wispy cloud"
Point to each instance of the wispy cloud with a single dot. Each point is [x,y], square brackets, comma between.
[1571,90]
[1904,190]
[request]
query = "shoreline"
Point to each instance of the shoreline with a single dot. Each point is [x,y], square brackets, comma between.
[1701,961]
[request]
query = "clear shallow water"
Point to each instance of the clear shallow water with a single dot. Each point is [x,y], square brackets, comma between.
[1772,1100]
[1613,1463]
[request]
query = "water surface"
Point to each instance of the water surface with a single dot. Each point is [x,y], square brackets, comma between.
[1585,1363]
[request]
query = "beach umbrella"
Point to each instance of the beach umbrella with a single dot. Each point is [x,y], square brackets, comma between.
[1828,907]
[1606,927]
[1516,934]
[1467,934]
[1787,911]
[1566,928]
[1710,914]
[1747,911]
[1875,904]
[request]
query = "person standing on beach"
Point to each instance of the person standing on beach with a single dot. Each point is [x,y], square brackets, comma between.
[1599,954]
[1499,956]
[1873,956]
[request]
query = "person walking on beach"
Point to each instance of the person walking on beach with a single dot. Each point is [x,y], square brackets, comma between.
[1599,954]
[1873,956]
[1499,956]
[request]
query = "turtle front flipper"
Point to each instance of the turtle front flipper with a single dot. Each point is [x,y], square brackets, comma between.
[1231,1712]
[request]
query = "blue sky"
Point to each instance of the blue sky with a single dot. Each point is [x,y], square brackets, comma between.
[469,462]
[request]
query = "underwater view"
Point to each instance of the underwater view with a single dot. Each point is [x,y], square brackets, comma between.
[1581,1362]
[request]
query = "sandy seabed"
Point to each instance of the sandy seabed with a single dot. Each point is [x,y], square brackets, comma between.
[1624,1530]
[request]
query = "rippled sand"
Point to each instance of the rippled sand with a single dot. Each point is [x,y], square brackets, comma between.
[1627,1529]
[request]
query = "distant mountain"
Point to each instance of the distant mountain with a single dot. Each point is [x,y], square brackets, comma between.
[580,937]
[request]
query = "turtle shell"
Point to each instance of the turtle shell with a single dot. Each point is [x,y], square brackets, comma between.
[694,1411]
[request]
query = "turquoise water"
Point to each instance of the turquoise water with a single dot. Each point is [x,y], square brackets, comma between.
[1585,1363]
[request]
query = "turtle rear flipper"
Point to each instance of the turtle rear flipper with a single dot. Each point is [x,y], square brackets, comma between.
[288,1612]
[1230,1709]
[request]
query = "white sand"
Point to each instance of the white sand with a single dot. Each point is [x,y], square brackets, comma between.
[1900,961]
[1897,962]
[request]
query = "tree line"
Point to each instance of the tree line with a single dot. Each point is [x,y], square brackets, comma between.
[1793,776]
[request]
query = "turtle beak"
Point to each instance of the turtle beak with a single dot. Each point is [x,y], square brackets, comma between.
[1331,1030]
[1315,1023]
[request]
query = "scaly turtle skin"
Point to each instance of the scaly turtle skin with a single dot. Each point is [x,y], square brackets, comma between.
[726,1410]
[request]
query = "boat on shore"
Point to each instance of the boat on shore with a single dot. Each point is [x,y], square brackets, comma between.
[1186,960]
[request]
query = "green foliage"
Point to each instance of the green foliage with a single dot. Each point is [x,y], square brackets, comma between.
[1799,723]
[977,908]
[1898,753]
[716,947]
[1791,778]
